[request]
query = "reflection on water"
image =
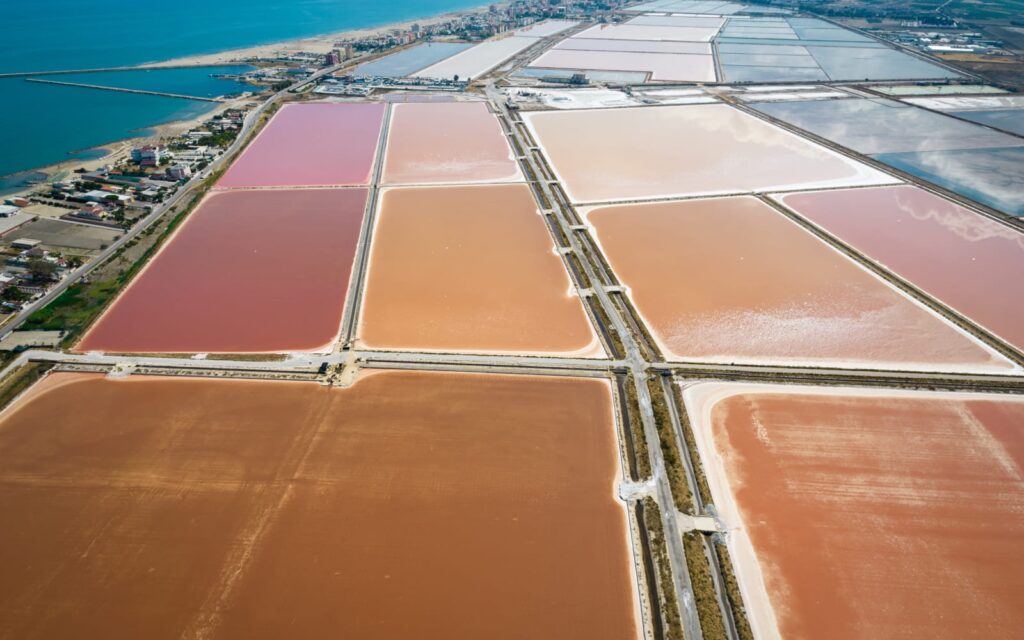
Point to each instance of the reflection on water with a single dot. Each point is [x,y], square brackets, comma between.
[872,126]
[989,176]
[410,60]
[967,260]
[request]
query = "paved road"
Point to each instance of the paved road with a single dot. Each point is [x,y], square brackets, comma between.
[831,374]
[356,280]
[637,366]
[311,362]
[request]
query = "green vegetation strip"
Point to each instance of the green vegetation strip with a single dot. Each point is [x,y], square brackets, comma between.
[590,258]
[669,449]
[23,378]
[704,594]
[563,240]
[617,349]
[247,357]
[732,591]
[643,457]
[691,447]
[577,268]
[666,590]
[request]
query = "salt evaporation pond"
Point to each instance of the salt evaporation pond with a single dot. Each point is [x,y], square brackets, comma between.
[469,268]
[249,271]
[310,145]
[402,506]
[447,142]
[859,513]
[733,280]
[604,155]
[972,263]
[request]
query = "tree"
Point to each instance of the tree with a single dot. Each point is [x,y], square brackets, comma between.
[14,294]
[40,269]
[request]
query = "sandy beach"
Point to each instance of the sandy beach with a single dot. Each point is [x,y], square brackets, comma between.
[314,44]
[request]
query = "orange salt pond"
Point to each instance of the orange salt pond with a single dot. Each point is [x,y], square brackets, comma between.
[732,280]
[972,263]
[469,268]
[447,142]
[603,155]
[410,504]
[869,514]
[311,145]
[249,271]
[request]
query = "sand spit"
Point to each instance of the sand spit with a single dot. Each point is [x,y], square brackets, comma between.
[733,280]
[469,269]
[858,513]
[411,504]
[447,142]
[249,271]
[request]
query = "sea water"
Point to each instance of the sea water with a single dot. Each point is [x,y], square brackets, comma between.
[44,124]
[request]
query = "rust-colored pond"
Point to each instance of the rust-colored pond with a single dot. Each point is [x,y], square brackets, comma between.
[870,514]
[447,142]
[410,505]
[731,279]
[470,268]
[250,271]
[311,145]
[604,155]
[972,263]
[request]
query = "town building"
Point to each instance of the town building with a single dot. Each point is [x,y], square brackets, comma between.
[147,156]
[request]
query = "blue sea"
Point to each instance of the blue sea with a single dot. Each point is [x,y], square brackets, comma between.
[45,124]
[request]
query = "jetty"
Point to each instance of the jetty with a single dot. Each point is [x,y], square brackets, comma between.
[57,72]
[123,90]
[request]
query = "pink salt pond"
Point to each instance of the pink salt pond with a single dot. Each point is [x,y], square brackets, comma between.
[250,271]
[311,145]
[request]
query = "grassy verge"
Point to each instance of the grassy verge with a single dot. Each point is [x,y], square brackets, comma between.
[732,590]
[20,380]
[691,446]
[515,145]
[248,357]
[666,590]
[590,258]
[643,457]
[618,350]
[669,449]
[703,584]
[563,240]
[543,167]
[578,268]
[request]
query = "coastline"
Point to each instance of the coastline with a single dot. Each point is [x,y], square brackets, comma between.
[311,44]
[117,149]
